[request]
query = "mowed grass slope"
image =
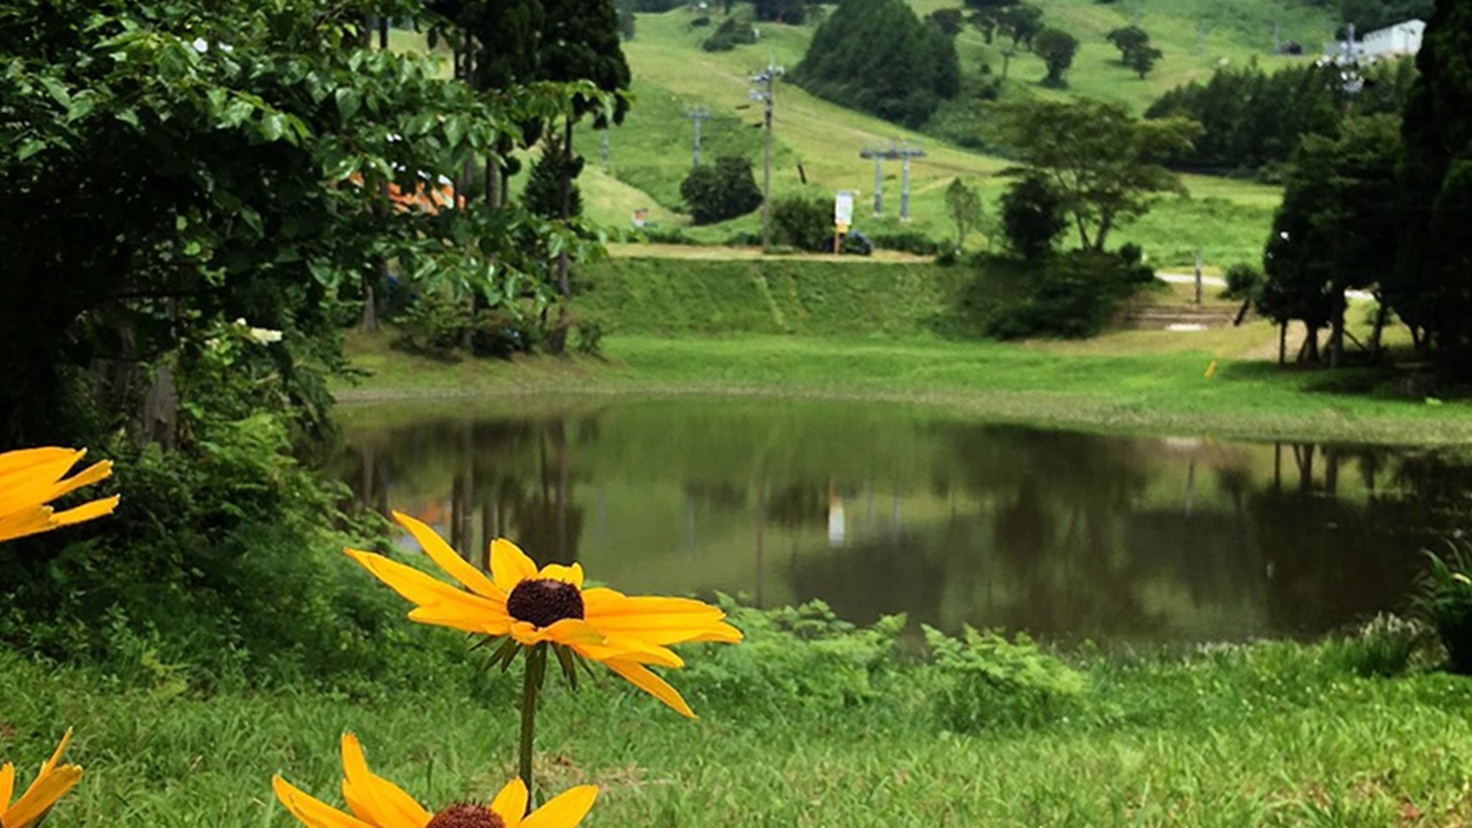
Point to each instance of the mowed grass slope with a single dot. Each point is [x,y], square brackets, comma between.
[817,143]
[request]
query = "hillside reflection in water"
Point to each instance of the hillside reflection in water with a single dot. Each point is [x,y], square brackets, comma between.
[879,509]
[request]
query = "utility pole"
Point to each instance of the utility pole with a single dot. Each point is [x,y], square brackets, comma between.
[697,115]
[763,93]
[1277,39]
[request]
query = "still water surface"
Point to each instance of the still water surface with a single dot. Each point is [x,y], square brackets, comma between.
[880,509]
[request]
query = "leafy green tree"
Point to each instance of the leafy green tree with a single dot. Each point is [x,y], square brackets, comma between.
[1032,216]
[1142,59]
[721,191]
[1431,290]
[793,12]
[1020,23]
[1127,38]
[963,205]
[1103,163]
[950,22]
[877,56]
[1335,230]
[182,165]
[1057,48]
[1253,119]
[543,195]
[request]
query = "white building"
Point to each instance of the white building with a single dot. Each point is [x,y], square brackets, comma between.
[1393,41]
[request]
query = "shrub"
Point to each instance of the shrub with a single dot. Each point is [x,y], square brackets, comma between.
[721,191]
[1242,281]
[1380,648]
[803,223]
[729,35]
[1032,217]
[992,682]
[908,241]
[1444,599]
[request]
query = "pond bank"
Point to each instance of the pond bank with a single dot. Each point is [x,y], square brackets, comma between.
[1128,391]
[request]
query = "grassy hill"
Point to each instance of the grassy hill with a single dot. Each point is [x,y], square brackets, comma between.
[816,144]
[819,141]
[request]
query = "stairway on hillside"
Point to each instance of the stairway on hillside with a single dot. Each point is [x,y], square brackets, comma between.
[1150,317]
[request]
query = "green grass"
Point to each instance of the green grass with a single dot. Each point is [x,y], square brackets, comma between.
[838,731]
[858,329]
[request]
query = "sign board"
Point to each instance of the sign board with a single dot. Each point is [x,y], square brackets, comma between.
[843,208]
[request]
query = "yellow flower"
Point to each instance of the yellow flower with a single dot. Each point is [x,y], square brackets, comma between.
[376,802]
[533,606]
[31,478]
[49,785]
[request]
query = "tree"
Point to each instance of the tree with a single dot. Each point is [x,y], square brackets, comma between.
[963,205]
[721,191]
[1127,38]
[1103,163]
[1057,48]
[177,184]
[877,56]
[1020,23]
[544,195]
[1142,59]
[1032,216]
[948,21]
[1431,289]
[1335,230]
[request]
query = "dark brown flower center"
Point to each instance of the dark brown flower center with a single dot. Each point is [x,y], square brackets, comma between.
[543,602]
[466,815]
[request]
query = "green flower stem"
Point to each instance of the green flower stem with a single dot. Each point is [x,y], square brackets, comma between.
[536,667]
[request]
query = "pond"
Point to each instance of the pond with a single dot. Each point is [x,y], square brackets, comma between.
[878,509]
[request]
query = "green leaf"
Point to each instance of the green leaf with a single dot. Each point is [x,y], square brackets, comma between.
[57,90]
[273,126]
[348,101]
[129,117]
[29,147]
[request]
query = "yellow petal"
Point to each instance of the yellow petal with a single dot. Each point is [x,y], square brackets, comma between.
[655,686]
[564,811]
[373,798]
[407,581]
[24,460]
[509,565]
[567,574]
[49,786]
[86,511]
[570,631]
[314,813]
[87,476]
[449,560]
[623,648]
[470,614]
[7,785]
[510,803]
[30,521]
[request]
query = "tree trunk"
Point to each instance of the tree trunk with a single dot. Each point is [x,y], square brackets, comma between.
[1283,342]
[1336,331]
[1381,314]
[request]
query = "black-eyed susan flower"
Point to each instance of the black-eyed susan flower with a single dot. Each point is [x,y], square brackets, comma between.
[32,478]
[531,606]
[49,785]
[375,802]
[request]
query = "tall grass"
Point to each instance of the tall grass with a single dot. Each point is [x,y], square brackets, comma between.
[811,723]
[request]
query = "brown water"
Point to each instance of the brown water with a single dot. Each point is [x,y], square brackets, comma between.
[880,509]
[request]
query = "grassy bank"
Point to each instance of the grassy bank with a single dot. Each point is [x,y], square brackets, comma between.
[827,728]
[864,330]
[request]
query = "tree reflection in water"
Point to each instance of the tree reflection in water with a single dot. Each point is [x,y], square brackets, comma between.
[1065,535]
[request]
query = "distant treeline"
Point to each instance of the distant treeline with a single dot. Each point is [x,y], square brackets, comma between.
[1369,15]
[1253,119]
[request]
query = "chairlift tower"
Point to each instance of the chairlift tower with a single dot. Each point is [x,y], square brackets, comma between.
[904,152]
[697,115]
[763,93]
